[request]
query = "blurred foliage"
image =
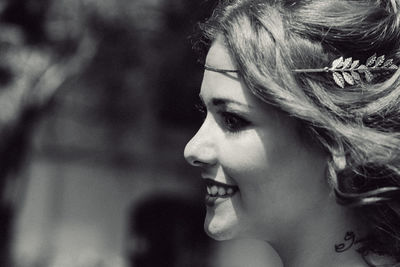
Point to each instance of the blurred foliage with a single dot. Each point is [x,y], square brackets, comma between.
[135,50]
[35,61]
[127,46]
[39,52]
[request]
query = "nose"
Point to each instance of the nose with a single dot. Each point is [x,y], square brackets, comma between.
[200,151]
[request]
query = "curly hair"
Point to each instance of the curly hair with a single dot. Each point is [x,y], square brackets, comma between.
[358,125]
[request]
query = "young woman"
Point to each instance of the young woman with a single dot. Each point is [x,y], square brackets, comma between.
[300,145]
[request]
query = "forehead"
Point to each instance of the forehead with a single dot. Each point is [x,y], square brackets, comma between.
[221,85]
[228,85]
[218,56]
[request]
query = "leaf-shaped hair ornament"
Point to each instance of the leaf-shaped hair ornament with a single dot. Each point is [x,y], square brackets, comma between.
[346,71]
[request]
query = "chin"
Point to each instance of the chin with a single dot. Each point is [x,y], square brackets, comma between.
[221,229]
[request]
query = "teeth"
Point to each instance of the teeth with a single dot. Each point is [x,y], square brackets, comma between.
[221,191]
[214,190]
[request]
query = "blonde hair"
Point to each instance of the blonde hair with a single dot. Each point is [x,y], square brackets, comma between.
[358,125]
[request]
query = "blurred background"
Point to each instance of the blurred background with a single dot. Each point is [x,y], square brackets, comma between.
[96,105]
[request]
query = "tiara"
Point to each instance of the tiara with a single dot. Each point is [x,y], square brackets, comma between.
[344,71]
[347,71]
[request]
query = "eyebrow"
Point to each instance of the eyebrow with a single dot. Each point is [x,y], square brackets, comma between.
[221,101]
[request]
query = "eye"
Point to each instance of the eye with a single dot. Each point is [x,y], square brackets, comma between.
[233,122]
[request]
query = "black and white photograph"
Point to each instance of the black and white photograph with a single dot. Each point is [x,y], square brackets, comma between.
[199,133]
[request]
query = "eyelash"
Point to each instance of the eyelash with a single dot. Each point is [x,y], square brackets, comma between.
[201,109]
[232,122]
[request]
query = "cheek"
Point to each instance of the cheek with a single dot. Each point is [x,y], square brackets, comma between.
[256,155]
[249,164]
[266,167]
[243,156]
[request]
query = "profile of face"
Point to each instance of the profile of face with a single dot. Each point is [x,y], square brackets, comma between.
[263,178]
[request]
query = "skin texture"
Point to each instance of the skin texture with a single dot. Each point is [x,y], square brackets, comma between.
[283,195]
[274,168]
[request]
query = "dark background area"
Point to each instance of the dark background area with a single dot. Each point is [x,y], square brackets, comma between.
[97,103]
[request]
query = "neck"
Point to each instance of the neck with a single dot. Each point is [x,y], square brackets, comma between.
[312,240]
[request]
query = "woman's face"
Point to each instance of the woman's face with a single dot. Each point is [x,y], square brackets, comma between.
[263,179]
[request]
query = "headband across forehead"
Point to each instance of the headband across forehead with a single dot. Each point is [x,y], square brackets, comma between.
[220,70]
[344,71]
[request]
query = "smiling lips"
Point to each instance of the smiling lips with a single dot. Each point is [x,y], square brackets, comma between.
[221,190]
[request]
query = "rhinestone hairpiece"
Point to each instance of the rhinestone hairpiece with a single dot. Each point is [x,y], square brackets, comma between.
[347,71]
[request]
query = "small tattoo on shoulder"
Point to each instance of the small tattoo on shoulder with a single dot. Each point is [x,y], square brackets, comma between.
[349,241]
